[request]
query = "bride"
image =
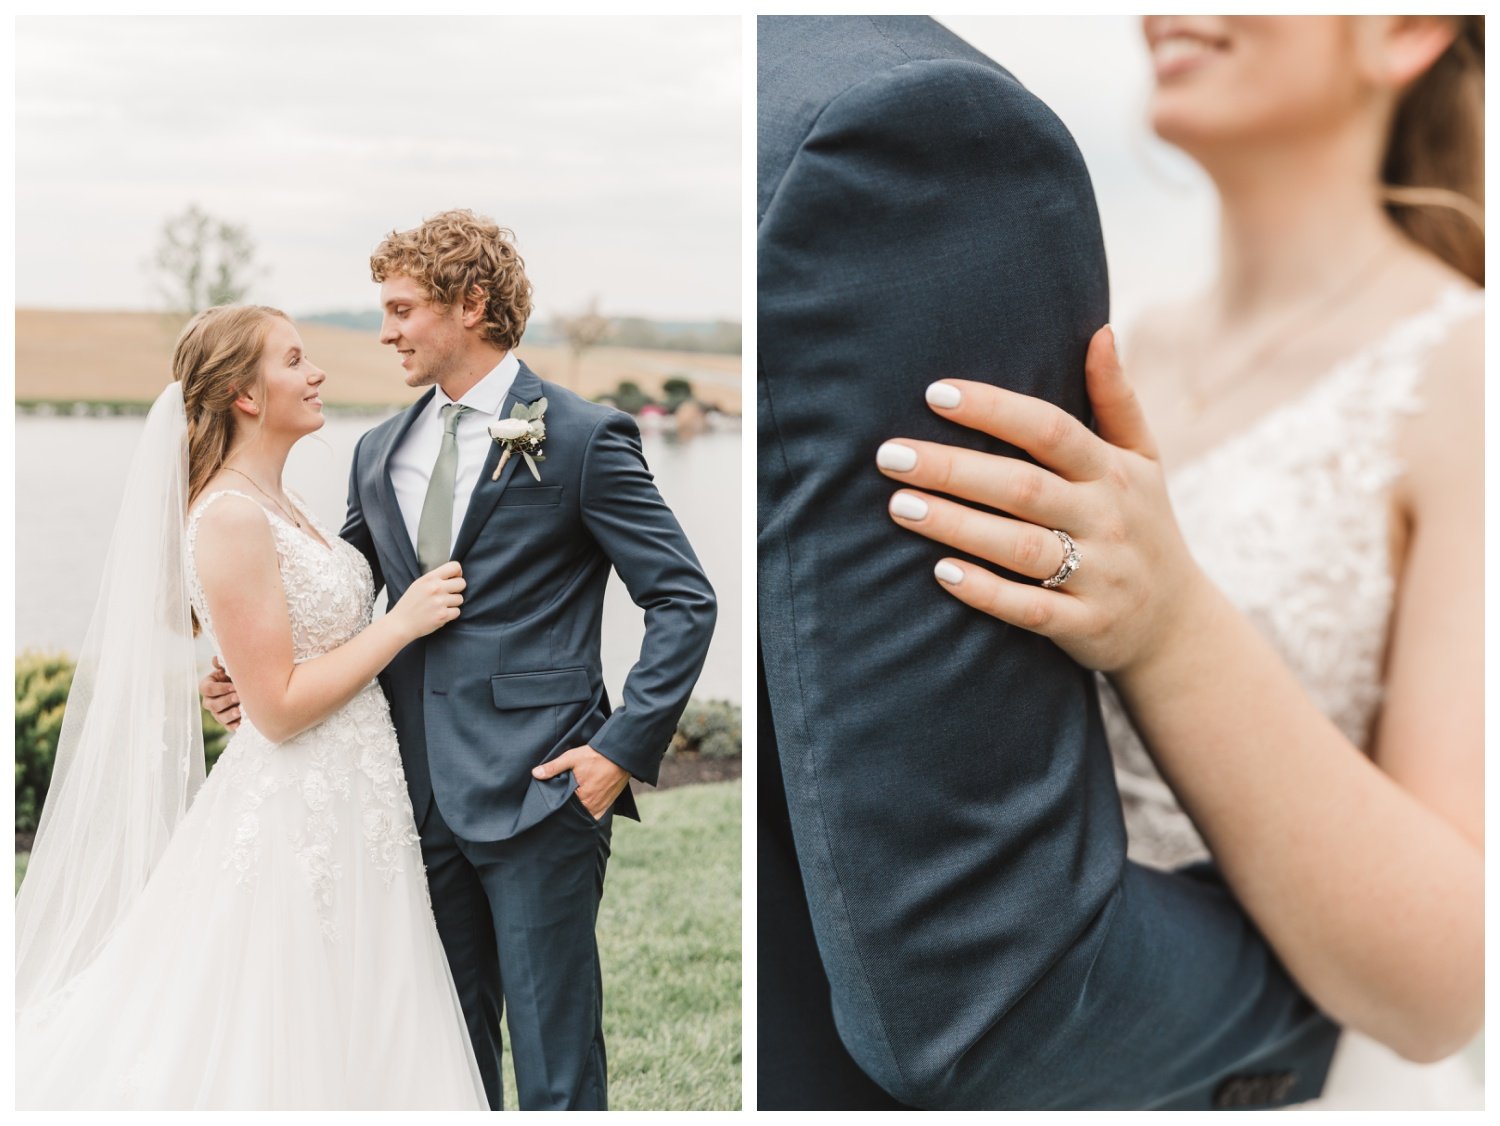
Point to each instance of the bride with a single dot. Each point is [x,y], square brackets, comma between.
[1293,679]
[265,942]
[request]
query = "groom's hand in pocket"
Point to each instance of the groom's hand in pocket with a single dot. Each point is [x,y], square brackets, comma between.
[220,697]
[599,780]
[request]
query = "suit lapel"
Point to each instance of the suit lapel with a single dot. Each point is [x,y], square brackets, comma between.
[391,529]
[525,388]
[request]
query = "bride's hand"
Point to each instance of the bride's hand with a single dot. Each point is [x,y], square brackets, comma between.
[1135,583]
[431,602]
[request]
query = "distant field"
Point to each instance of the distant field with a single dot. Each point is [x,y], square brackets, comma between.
[125,358]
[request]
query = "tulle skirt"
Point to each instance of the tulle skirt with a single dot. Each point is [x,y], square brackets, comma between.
[282,955]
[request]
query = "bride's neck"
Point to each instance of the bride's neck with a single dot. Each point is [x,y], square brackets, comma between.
[262,460]
[1296,221]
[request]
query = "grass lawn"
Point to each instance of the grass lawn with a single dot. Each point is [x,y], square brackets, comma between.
[669,934]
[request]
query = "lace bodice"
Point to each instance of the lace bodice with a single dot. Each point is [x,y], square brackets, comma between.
[330,594]
[1291,519]
[345,769]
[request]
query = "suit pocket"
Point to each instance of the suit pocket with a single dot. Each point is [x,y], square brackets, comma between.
[530,707]
[517,495]
[518,690]
[575,803]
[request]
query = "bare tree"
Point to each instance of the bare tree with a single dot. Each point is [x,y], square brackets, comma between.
[202,261]
[582,331]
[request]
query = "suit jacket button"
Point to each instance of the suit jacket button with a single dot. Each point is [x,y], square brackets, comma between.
[1254,1090]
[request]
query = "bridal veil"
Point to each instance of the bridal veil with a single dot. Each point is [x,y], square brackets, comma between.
[130,753]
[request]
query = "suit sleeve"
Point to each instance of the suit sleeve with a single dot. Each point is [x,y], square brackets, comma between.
[355,531]
[950,791]
[642,539]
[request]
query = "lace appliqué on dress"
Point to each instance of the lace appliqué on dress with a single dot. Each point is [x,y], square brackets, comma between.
[1290,519]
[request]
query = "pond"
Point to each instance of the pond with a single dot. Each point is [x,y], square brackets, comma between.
[70,473]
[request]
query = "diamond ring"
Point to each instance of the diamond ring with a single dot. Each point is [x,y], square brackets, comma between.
[1070,561]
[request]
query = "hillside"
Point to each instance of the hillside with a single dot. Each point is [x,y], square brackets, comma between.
[66,356]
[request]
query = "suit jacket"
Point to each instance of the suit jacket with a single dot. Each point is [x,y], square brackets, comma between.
[517,679]
[950,801]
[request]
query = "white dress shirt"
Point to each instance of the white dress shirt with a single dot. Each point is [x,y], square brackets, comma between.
[412,461]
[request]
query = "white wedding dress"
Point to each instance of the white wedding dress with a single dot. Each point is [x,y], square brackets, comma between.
[283,953]
[1290,518]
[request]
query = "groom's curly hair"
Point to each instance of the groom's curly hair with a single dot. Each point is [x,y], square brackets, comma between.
[453,252]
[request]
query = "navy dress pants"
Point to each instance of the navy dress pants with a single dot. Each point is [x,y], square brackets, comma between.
[517,920]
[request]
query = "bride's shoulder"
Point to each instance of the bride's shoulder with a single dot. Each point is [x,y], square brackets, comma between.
[1442,442]
[1450,315]
[224,516]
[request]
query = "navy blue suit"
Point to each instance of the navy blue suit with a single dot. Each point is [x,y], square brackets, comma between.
[947,916]
[516,865]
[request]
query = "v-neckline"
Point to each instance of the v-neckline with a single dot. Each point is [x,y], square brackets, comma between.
[315,540]
[1449,293]
[308,534]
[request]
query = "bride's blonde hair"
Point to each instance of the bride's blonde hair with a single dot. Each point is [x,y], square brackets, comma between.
[1433,172]
[217,359]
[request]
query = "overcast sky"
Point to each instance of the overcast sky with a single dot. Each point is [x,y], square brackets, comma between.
[610,145]
[1157,208]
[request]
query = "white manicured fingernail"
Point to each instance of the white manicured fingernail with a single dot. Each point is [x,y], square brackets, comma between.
[948,573]
[893,455]
[908,507]
[943,395]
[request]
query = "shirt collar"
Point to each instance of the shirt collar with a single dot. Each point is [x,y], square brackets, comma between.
[488,394]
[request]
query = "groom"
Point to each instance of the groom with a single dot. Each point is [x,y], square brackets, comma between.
[514,759]
[947,916]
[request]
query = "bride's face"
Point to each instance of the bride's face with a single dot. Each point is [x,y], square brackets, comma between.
[1237,79]
[290,383]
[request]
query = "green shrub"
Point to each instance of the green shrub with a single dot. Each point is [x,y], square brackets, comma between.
[710,728]
[677,390]
[630,398]
[42,683]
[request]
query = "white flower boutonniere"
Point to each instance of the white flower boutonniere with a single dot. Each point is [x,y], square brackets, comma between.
[523,431]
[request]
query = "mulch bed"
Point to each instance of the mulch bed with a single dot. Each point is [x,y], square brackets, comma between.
[690,769]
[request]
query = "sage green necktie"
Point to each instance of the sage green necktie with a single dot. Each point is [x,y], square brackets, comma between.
[435,528]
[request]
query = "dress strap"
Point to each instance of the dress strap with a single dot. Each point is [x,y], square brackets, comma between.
[204,502]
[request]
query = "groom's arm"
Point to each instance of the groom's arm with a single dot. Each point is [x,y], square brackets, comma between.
[641,537]
[949,788]
[355,531]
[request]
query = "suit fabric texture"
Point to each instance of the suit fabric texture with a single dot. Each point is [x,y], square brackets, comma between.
[516,865]
[943,833]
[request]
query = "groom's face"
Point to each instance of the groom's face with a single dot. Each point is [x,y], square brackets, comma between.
[429,338]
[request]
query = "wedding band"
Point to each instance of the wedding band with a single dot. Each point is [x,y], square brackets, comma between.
[1070,560]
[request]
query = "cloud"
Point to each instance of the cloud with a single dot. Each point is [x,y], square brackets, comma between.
[611,145]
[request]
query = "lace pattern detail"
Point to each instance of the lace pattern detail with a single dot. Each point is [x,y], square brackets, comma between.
[344,771]
[1291,519]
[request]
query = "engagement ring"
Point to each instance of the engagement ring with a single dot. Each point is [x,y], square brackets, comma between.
[1070,560]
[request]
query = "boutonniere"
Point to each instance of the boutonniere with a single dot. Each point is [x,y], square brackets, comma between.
[523,431]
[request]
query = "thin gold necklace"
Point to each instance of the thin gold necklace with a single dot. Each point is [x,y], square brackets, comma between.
[267,495]
[1200,394]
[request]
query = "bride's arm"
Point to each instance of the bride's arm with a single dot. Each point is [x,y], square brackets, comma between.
[1367,879]
[237,566]
[1430,736]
